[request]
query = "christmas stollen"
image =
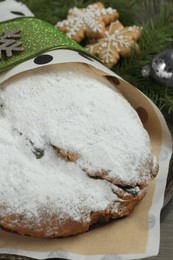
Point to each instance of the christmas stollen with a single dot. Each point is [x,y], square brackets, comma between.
[73,150]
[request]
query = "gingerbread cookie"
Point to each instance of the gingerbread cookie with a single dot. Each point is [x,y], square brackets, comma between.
[117,41]
[87,22]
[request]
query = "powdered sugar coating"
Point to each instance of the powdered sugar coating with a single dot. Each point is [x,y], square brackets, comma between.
[70,107]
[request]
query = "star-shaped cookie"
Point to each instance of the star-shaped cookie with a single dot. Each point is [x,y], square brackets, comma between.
[87,22]
[117,41]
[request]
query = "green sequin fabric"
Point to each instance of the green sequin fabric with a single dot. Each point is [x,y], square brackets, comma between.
[37,37]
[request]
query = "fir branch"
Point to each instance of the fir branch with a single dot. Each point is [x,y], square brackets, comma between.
[157,35]
[53,11]
[126,9]
[147,9]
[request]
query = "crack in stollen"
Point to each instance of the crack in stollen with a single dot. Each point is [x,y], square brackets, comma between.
[126,192]
[122,190]
[66,155]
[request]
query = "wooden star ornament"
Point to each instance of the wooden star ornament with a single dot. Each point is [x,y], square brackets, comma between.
[9,43]
[117,41]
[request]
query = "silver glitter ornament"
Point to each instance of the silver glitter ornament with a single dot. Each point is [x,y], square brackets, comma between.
[161,68]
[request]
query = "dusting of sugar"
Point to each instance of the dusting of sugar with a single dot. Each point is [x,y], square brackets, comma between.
[68,106]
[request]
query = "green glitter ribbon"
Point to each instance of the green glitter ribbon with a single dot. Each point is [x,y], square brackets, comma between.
[37,37]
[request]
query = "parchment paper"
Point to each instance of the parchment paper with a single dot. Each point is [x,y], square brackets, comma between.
[133,237]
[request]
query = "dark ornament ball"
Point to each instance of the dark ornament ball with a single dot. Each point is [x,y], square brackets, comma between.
[161,68]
